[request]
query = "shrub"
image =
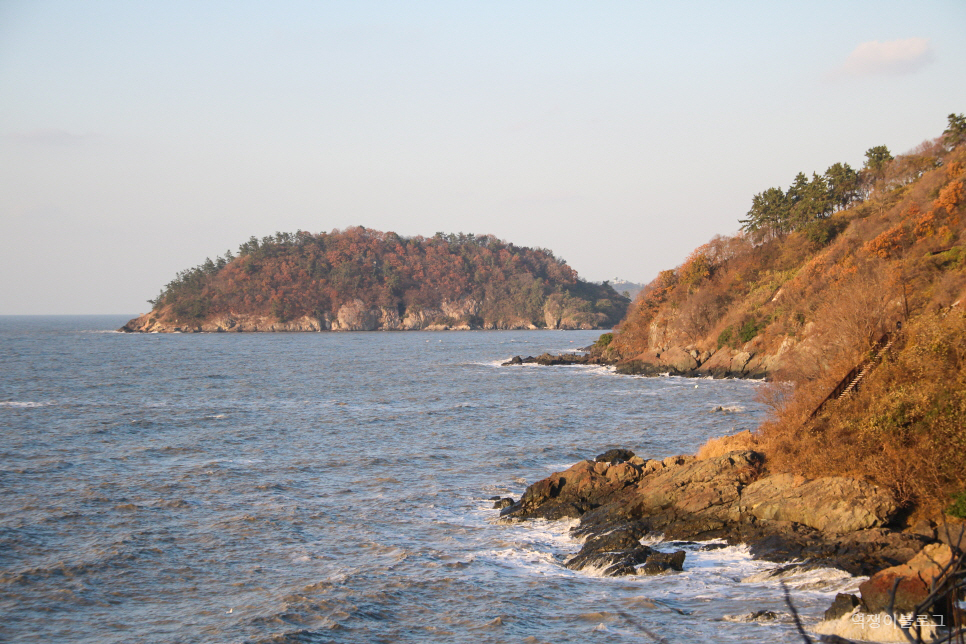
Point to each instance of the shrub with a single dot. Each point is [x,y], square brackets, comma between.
[724,337]
[958,508]
[604,340]
[750,329]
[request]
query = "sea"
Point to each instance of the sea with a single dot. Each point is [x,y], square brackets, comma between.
[338,487]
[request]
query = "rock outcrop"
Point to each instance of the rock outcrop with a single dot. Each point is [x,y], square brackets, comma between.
[836,520]
[690,362]
[828,504]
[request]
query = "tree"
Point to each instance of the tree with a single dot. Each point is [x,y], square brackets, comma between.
[843,185]
[809,200]
[956,132]
[769,215]
[876,158]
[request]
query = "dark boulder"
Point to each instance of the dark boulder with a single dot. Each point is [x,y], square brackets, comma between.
[844,604]
[660,562]
[611,563]
[575,491]
[615,456]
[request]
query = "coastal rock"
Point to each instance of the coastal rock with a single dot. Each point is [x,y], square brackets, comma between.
[718,365]
[844,604]
[914,580]
[680,360]
[680,496]
[615,456]
[724,362]
[661,562]
[549,359]
[952,534]
[619,552]
[573,492]
[356,316]
[614,553]
[836,521]
[829,504]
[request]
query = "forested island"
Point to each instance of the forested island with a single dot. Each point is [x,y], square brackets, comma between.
[361,279]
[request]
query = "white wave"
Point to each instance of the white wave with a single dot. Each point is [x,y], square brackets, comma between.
[23,405]
[535,547]
[807,578]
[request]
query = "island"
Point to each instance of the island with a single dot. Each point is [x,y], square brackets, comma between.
[361,279]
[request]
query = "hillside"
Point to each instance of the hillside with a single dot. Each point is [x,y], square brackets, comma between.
[817,275]
[361,280]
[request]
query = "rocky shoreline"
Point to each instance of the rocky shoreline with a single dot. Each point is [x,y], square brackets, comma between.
[723,363]
[619,498]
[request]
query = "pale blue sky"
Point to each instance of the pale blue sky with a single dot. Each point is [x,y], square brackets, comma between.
[137,138]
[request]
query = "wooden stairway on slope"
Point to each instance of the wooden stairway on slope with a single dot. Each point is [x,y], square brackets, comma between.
[853,378]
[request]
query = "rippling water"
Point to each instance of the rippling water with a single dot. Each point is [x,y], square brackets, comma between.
[334,487]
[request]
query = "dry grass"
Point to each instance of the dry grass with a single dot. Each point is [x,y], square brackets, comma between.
[715,447]
[905,429]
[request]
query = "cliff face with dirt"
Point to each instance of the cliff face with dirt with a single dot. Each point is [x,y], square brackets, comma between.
[365,280]
[805,292]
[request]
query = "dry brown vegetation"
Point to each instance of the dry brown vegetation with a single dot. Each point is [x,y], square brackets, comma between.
[905,429]
[821,296]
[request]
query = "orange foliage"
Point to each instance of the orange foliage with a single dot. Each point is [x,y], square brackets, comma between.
[888,243]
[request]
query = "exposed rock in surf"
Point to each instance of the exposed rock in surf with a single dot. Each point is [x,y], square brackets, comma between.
[838,521]
[549,360]
[620,552]
[501,503]
[844,604]
[661,562]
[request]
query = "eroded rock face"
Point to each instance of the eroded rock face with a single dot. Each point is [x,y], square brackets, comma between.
[226,324]
[829,504]
[724,362]
[356,316]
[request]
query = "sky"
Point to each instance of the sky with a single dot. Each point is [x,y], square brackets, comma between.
[139,138]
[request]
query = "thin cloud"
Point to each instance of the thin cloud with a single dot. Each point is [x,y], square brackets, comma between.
[51,138]
[892,58]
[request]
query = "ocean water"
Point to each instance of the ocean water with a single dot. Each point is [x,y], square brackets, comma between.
[334,487]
